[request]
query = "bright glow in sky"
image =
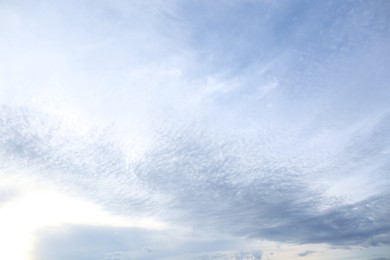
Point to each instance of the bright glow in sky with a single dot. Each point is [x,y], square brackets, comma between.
[194,129]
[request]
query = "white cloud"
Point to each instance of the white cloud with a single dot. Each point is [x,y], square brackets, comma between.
[249,119]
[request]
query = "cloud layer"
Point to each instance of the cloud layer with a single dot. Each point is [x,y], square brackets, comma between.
[235,121]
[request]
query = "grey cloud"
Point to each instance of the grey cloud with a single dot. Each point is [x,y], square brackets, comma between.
[7,195]
[306,253]
[199,179]
[98,242]
[240,255]
[255,254]
[89,242]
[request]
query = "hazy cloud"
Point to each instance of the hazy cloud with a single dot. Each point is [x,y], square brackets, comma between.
[236,121]
[305,253]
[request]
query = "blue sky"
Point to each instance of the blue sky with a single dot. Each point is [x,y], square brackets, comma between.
[194,129]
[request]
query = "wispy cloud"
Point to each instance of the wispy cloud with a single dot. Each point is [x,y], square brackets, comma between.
[234,121]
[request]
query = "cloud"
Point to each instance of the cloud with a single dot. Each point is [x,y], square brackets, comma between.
[96,242]
[252,120]
[195,179]
[305,253]
[101,242]
[6,195]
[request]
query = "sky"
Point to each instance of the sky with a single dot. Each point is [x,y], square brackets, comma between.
[247,129]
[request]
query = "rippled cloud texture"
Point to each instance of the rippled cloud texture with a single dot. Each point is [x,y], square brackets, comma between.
[194,129]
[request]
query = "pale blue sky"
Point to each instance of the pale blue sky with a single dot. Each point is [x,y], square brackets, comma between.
[194,129]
